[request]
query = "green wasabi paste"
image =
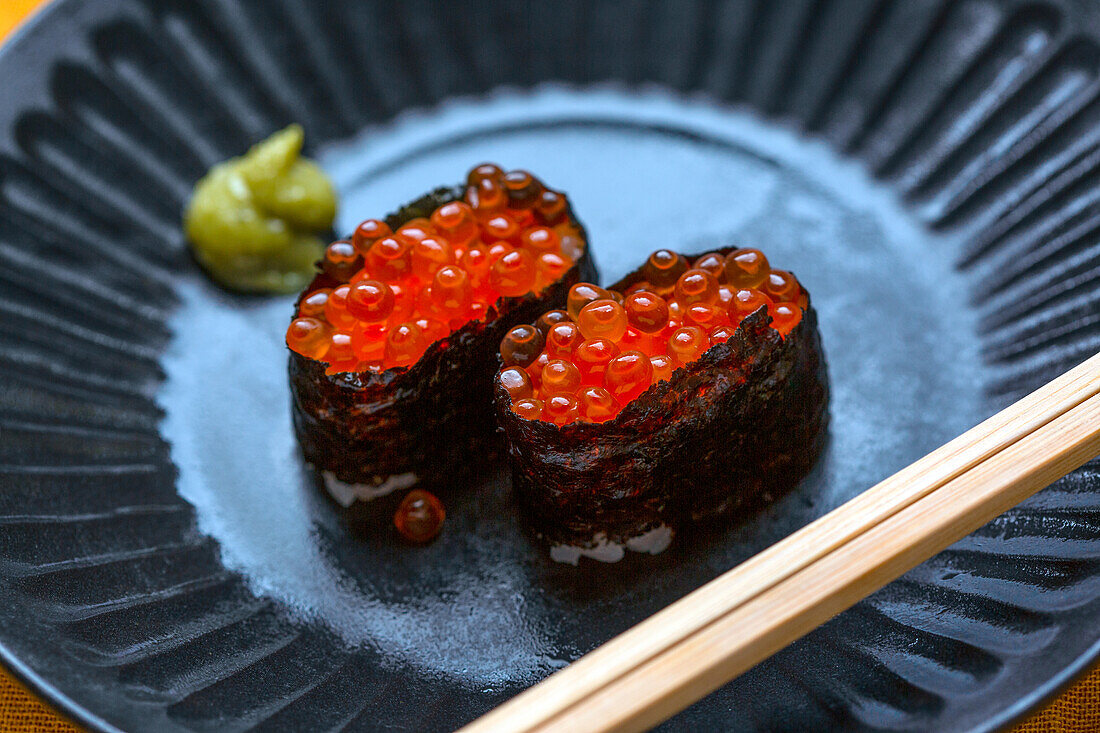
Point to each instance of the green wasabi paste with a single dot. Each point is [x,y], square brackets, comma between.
[258,223]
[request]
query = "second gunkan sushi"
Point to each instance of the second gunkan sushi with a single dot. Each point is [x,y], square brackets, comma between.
[393,345]
[693,389]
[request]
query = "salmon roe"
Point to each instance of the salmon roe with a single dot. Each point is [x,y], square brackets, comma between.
[392,294]
[420,516]
[588,361]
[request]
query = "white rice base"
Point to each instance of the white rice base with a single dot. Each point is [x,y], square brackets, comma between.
[654,541]
[347,494]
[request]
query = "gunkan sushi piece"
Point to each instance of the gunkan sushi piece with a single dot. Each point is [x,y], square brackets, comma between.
[693,389]
[393,345]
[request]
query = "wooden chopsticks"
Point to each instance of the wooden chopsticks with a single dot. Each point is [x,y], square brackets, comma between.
[720,630]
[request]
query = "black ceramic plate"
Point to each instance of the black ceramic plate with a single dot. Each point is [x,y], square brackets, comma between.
[931,170]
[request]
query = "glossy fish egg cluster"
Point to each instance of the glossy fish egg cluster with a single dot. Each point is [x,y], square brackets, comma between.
[398,292]
[586,362]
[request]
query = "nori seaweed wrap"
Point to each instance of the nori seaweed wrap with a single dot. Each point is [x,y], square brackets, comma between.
[394,386]
[718,431]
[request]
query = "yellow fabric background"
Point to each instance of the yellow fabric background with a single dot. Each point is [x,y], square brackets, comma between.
[1076,711]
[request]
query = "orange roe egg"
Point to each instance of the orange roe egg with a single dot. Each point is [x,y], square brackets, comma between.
[705,316]
[341,351]
[781,285]
[524,217]
[388,259]
[368,232]
[561,409]
[572,246]
[596,404]
[551,208]
[451,292]
[513,274]
[591,357]
[785,316]
[721,334]
[522,188]
[663,367]
[602,319]
[746,268]
[313,305]
[370,301]
[663,268]
[517,382]
[499,249]
[562,339]
[369,340]
[635,339]
[451,215]
[581,295]
[425,305]
[341,261]
[541,239]
[528,409]
[476,263]
[501,228]
[647,312]
[336,308]
[308,336]
[521,346]
[486,198]
[560,377]
[428,255]
[456,222]
[747,301]
[420,516]
[628,375]
[414,231]
[551,267]
[534,369]
[482,172]
[432,329]
[405,344]
[713,263]
[404,301]
[687,344]
[696,286]
[549,319]
[479,309]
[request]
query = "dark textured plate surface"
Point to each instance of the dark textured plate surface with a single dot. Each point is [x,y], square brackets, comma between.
[929,169]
